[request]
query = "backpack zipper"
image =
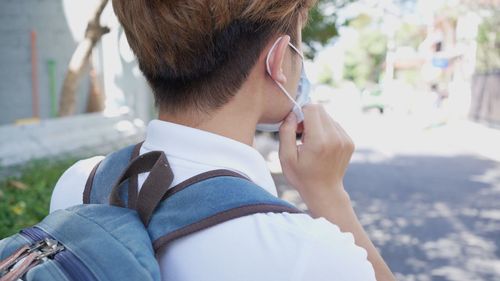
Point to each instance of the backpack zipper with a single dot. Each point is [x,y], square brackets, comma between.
[68,262]
[18,256]
[27,257]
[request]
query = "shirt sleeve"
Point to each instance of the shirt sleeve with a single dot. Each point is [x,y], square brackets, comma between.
[69,188]
[332,254]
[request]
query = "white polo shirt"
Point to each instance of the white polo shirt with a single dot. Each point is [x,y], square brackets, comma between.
[260,247]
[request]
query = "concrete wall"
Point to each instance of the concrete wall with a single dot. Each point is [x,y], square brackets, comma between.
[59,25]
[55,42]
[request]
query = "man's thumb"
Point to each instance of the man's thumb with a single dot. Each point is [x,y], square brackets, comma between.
[288,142]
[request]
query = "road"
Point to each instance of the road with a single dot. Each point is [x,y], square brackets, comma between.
[429,197]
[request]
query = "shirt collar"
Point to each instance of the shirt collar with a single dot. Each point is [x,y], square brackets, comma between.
[203,147]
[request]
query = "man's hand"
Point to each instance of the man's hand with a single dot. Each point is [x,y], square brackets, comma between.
[316,167]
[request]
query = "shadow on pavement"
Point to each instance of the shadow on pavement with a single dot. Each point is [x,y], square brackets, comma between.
[432,217]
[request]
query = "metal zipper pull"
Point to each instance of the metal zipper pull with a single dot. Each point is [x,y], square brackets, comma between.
[36,246]
[51,248]
[27,257]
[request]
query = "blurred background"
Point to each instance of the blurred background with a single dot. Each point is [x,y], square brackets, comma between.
[416,83]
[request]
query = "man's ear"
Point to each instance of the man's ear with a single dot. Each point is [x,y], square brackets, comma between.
[277,58]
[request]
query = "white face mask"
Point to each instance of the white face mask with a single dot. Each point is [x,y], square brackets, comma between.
[302,93]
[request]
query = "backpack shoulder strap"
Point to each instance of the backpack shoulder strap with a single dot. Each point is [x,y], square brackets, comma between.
[106,173]
[171,213]
[207,200]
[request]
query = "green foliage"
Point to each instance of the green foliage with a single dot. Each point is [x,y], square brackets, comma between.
[360,22]
[410,35]
[326,76]
[24,200]
[488,40]
[322,25]
[355,68]
[365,59]
[409,76]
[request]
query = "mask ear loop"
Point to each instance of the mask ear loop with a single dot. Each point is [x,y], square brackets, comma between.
[296,105]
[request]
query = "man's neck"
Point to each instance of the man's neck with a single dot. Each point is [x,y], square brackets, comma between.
[236,120]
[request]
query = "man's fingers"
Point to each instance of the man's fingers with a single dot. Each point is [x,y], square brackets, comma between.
[288,142]
[337,132]
[328,122]
[313,127]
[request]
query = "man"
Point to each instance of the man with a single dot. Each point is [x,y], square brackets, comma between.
[220,70]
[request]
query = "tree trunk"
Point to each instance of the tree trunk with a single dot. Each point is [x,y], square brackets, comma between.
[80,61]
[95,102]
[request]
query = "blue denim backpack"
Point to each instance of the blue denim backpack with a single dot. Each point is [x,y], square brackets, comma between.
[115,234]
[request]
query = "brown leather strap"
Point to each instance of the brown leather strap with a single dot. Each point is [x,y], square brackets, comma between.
[153,189]
[199,178]
[141,164]
[220,218]
[89,183]
[133,181]
[30,261]
[10,260]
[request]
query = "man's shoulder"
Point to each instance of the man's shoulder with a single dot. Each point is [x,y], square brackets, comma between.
[325,251]
[295,246]
[303,226]
[69,188]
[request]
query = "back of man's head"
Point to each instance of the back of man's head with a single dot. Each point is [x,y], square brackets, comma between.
[196,54]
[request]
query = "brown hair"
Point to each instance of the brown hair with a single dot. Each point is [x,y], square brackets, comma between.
[196,54]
